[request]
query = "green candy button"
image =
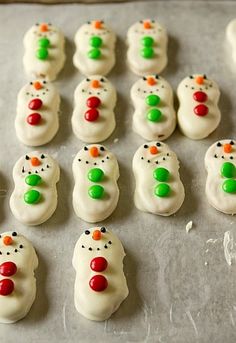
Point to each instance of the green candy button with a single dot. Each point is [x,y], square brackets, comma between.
[31,197]
[229,186]
[162,190]
[228,170]
[95,41]
[43,42]
[147,41]
[33,179]
[152,100]
[42,54]
[95,174]
[154,114]
[96,191]
[147,52]
[161,174]
[94,54]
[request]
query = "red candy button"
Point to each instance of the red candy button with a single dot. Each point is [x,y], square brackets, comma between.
[98,264]
[98,283]
[6,287]
[201,110]
[35,104]
[92,114]
[8,269]
[200,96]
[34,118]
[93,102]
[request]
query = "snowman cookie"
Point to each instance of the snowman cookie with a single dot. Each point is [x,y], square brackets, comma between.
[221,175]
[34,198]
[198,113]
[36,121]
[95,48]
[159,189]
[147,47]
[96,192]
[44,51]
[100,285]
[154,117]
[231,37]
[93,118]
[18,261]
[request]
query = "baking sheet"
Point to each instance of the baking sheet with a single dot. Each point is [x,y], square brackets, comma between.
[181,288]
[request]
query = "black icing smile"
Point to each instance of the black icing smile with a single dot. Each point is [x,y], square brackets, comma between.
[105,246]
[105,158]
[99,91]
[227,156]
[156,159]
[41,168]
[202,87]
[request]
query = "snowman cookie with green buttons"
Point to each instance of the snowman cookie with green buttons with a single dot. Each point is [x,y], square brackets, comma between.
[154,117]
[37,121]
[44,51]
[147,47]
[220,163]
[96,192]
[18,261]
[198,114]
[159,189]
[100,285]
[34,198]
[93,118]
[95,48]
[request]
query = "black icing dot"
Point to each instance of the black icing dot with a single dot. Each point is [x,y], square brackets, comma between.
[14,234]
[102,148]
[145,146]
[215,156]
[83,246]
[85,148]
[21,246]
[16,250]
[87,162]
[222,157]
[158,144]
[79,159]
[105,246]
[110,242]
[231,157]
[90,249]
[103,229]
[142,158]
[148,161]
[218,144]
[231,142]
[98,248]
[8,253]
[27,157]
[87,232]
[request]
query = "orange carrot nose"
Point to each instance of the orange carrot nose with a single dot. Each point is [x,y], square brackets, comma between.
[35,161]
[95,84]
[43,27]
[153,150]
[199,80]
[94,151]
[227,148]
[7,240]
[97,24]
[37,85]
[151,81]
[147,25]
[96,235]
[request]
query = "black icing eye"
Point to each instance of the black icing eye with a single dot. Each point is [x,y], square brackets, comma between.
[145,146]
[102,21]
[231,142]
[141,21]
[153,21]
[14,234]
[191,76]
[144,78]
[87,232]
[44,82]
[27,157]
[88,80]
[102,79]
[103,229]
[102,148]
[157,76]
[37,24]
[89,22]
[31,83]
[158,144]
[218,144]
[205,77]
[42,156]
[85,148]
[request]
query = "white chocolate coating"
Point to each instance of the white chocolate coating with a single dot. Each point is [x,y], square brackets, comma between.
[48,170]
[100,129]
[16,305]
[45,130]
[214,159]
[151,130]
[87,208]
[144,164]
[231,37]
[137,63]
[106,62]
[192,125]
[51,66]
[91,304]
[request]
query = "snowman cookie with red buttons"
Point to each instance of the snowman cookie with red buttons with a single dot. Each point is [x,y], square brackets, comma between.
[100,285]
[154,117]
[231,37]
[34,198]
[93,118]
[159,189]
[44,51]
[221,175]
[18,261]
[198,115]
[95,48]
[36,121]
[96,192]
[147,47]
